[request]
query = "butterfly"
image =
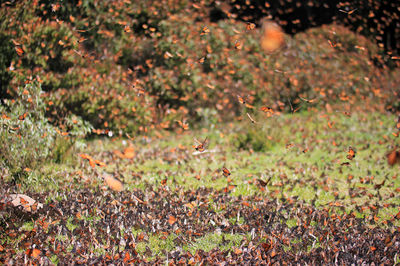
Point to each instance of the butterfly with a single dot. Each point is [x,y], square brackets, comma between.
[242,100]
[333,45]
[267,109]
[251,119]
[264,183]
[205,31]
[238,45]
[393,157]
[225,172]
[250,26]
[19,51]
[22,117]
[183,124]
[351,153]
[201,145]
[348,12]
[272,37]
[113,182]
[307,100]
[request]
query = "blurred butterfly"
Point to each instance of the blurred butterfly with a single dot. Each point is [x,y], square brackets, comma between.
[226,172]
[333,45]
[251,119]
[205,31]
[264,183]
[183,124]
[393,157]
[348,12]
[250,26]
[267,109]
[351,153]
[113,182]
[345,113]
[307,100]
[242,100]
[201,145]
[22,117]
[272,37]
[19,51]
[238,45]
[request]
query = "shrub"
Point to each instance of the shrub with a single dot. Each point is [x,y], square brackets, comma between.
[27,139]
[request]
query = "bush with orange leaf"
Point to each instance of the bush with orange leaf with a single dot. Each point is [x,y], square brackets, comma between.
[27,139]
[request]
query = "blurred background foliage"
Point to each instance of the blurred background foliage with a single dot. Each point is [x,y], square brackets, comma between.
[132,66]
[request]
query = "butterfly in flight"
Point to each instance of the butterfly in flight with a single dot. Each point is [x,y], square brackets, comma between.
[205,31]
[225,172]
[201,146]
[22,117]
[250,26]
[272,37]
[183,124]
[251,119]
[393,157]
[243,101]
[351,153]
[238,45]
[307,100]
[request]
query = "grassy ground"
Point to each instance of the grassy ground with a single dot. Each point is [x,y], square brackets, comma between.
[178,206]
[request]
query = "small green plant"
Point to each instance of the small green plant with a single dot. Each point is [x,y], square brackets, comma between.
[26,136]
[254,139]
[27,139]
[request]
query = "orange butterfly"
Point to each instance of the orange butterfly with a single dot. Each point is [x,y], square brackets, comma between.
[393,157]
[333,45]
[272,38]
[226,172]
[307,100]
[22,117]
[250,26]
[183,124]
[351,153]
[205,31]
[201,145]
[238,45]
[113,182]
[243,101]
[267,110]
[19,51]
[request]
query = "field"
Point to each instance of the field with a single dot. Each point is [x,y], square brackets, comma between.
[299,199]
[182,132]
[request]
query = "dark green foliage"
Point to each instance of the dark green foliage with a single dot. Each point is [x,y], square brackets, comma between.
[7,54]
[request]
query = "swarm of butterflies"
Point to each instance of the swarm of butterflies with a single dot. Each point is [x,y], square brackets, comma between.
[272,40]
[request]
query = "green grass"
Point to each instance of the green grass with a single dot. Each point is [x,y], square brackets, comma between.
[313,177]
